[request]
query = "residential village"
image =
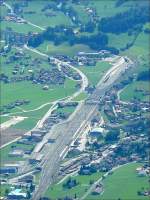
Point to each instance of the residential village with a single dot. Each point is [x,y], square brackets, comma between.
[93,151]
[117,133]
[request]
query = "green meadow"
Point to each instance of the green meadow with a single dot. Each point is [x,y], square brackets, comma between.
[95,73]
[35,93]
[32,118]
[39,17]
[132,92]
[57,190]
[81,97]
[7,149]
[65,48]
[123,184]
[20,28]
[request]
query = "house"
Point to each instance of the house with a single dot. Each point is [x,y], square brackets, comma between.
[27,179]
[36,158]
[16,153]
[35,137]
[96,132]
[45,87]
[8,170]
[98,190]
[17,194]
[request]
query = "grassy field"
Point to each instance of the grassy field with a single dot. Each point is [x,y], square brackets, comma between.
[119,41]
[57,190]
[124,184]
[130,91]
[33,118]
[4,119]
[95,73]
[27,62]
[65,48]
[6,150]
[20,28]
[81,97]
[40,18]
[34,93]
[67,110]
[140,47]
[80,9]
[4,188]
[3,10]
[106,8]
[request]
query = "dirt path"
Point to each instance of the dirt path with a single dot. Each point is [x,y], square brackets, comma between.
[13,121]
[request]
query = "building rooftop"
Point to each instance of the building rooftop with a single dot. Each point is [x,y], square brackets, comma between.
[97,129]
[17,192]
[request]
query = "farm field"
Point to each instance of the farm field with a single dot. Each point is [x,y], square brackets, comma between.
[81,97]
[140,47]
[39,17]
[20,28]
[94,73]
[119,41]
[106,8]
[80,9]
[4,119]
[28,61]
[132,92]
[32,118]
[7,149]
[67,110]
[124,184]
[57,190]
[4,188]
[65,48]
[24,90]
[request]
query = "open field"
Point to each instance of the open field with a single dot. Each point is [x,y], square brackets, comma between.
[3,10]
[132,93]
[80,9]
[65,48]
[28,61]
[57,190]
[81,97]
[4,119]
[119,41]
[24,90]
[17,27]
[140,47]
[39,17]
[124,184]
[6,150]
[106,8]
[32,118]
[10,134]
[4,188]
[67,110]
[94,73]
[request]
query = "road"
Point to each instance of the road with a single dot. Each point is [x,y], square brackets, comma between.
[64,133]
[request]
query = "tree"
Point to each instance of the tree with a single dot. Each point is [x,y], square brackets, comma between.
[28,195]
[6,191]
[32,187]
[122,22]
[112,135]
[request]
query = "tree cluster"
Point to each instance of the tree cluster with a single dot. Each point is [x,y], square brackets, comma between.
[61,34]
[122,22]
[144,76]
